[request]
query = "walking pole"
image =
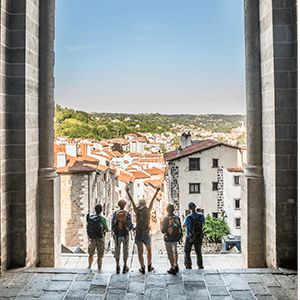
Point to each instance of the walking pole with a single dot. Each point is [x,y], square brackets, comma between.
[132,254]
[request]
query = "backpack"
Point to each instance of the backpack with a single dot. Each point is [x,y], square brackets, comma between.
[174,231]
[196,232]
[121,223]
[142,219]
[94,226]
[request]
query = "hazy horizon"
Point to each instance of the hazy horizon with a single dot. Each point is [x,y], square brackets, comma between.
[168,57]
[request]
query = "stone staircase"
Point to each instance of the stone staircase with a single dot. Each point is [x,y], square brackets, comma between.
[212,284]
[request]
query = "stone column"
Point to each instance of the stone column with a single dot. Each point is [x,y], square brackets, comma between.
[252,181]
[49,187]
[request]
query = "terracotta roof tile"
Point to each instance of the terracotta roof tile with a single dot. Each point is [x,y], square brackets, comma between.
[139,174]
[235,169]
[125,177]
[154,171]
[203,145]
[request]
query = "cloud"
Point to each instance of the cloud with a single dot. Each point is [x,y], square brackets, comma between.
[80,47]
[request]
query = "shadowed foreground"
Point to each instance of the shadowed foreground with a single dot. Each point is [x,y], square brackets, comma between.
[214,284]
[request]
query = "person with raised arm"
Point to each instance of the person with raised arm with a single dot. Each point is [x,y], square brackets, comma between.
[142,229]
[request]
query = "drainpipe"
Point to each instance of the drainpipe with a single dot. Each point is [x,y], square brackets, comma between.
[89,207]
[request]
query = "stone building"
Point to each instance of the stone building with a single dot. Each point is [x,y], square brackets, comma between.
[29,197]
[193,174]
[84,183]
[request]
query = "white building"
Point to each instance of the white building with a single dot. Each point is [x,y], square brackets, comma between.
[232,198]
[193,174]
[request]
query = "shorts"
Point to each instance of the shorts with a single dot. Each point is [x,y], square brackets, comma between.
[96,243]
[143,238]
[118,241]
[171,248]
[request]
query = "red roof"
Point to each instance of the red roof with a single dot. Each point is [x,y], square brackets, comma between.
[154,171]
[235,169]
[203,145]
[139,174]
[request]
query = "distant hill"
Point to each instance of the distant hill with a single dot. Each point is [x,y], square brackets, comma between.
[72,124]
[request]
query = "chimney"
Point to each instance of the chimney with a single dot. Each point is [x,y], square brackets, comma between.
[185,140]
[89,149]
[179,150]
[71,149]
[83,148]
[61,160]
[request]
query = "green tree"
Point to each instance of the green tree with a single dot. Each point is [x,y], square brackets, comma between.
[176,141]
[215,228]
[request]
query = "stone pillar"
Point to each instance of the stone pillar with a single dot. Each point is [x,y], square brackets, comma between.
[253,249]
[49,189]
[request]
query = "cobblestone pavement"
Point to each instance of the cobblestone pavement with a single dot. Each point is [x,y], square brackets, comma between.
[213,284]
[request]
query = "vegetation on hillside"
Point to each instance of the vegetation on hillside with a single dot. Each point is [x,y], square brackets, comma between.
[74,124]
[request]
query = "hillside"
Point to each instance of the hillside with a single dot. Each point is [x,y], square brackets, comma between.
[73,124]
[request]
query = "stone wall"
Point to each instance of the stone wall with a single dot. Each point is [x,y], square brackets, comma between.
[269,190]
[19,91]
[279,128]
[220,197]
[174,186]
[76,192]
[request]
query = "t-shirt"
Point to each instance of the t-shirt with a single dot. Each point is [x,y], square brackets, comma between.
[188,221]
[104,224]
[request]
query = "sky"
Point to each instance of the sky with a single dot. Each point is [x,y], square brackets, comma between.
[150,56]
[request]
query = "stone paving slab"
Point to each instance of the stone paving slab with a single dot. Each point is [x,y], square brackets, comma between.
[210,284]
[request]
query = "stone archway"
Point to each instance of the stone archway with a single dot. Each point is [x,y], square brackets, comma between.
[29,195]
[269,192]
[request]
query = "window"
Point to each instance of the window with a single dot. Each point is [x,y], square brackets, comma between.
[214,186]
[237,203]
[238,222]
[194,188]
[236,180]
[215,215]
[69,183]
[138,185]
[215,163]
[194,164]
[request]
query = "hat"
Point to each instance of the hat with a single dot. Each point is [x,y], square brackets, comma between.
[191,205]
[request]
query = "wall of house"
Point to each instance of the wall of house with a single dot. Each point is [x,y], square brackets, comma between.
[231,192]
[207,199]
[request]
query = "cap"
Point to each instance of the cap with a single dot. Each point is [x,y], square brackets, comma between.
[191,205]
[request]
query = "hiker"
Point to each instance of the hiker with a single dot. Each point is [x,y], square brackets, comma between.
[194,223]
[96,228]
[171,227]
[121,225]
[142,229]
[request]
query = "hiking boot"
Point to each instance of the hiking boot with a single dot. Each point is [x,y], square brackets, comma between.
[201,267]
[125,269]
[118,269]
[176,268]
[142,270]
[189,267]
[150,268]
[172,271]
